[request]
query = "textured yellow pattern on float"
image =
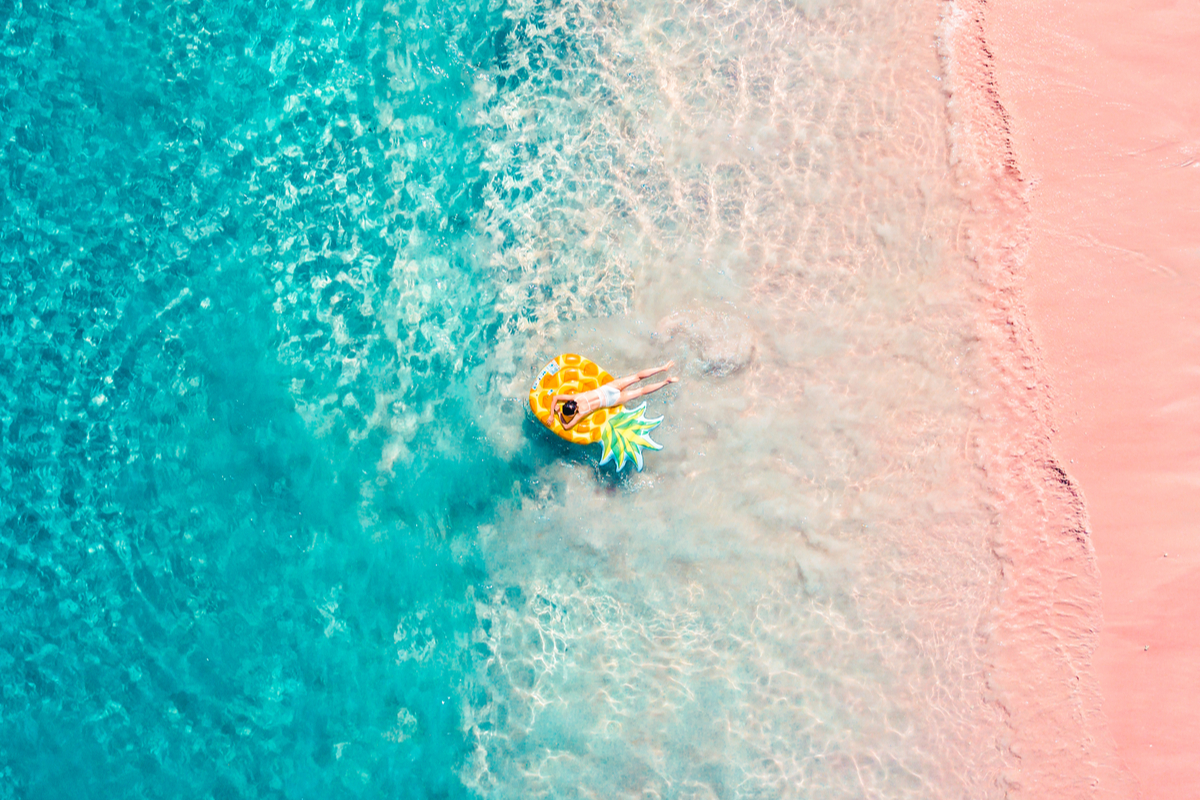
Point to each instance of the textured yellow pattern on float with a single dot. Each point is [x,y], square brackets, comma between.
[575,375]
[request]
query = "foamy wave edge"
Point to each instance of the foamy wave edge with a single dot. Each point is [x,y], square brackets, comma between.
[1045,625]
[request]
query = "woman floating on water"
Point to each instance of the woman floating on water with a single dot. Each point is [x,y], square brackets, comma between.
[582,403]
[576,407]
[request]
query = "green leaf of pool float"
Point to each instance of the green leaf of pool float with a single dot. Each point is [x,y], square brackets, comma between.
[625,434]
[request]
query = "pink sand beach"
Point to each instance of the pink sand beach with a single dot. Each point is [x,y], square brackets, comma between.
[1102,108]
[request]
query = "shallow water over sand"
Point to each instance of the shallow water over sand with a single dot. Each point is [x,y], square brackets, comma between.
[789,601]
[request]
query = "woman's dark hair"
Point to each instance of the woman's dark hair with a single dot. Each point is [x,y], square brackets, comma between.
[569,408]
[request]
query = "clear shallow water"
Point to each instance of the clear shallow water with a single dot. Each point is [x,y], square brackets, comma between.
[274,522]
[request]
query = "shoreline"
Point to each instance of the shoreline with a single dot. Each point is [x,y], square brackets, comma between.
[1042,634]
[1103,118]
[1073,154]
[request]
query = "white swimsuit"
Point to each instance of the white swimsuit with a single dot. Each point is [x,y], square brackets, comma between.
[605,396]
[610,395]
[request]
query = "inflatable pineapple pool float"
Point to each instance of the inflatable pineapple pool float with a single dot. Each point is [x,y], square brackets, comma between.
[624,433]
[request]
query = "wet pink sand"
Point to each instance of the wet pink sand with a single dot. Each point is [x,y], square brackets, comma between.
[1103,108]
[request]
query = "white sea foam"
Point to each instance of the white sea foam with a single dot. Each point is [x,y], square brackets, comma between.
[790,600]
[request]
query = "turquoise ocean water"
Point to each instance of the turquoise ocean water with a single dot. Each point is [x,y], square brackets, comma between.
[198,599]
[272,520]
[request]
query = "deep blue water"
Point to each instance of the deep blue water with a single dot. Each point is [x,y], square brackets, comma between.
[209,583]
